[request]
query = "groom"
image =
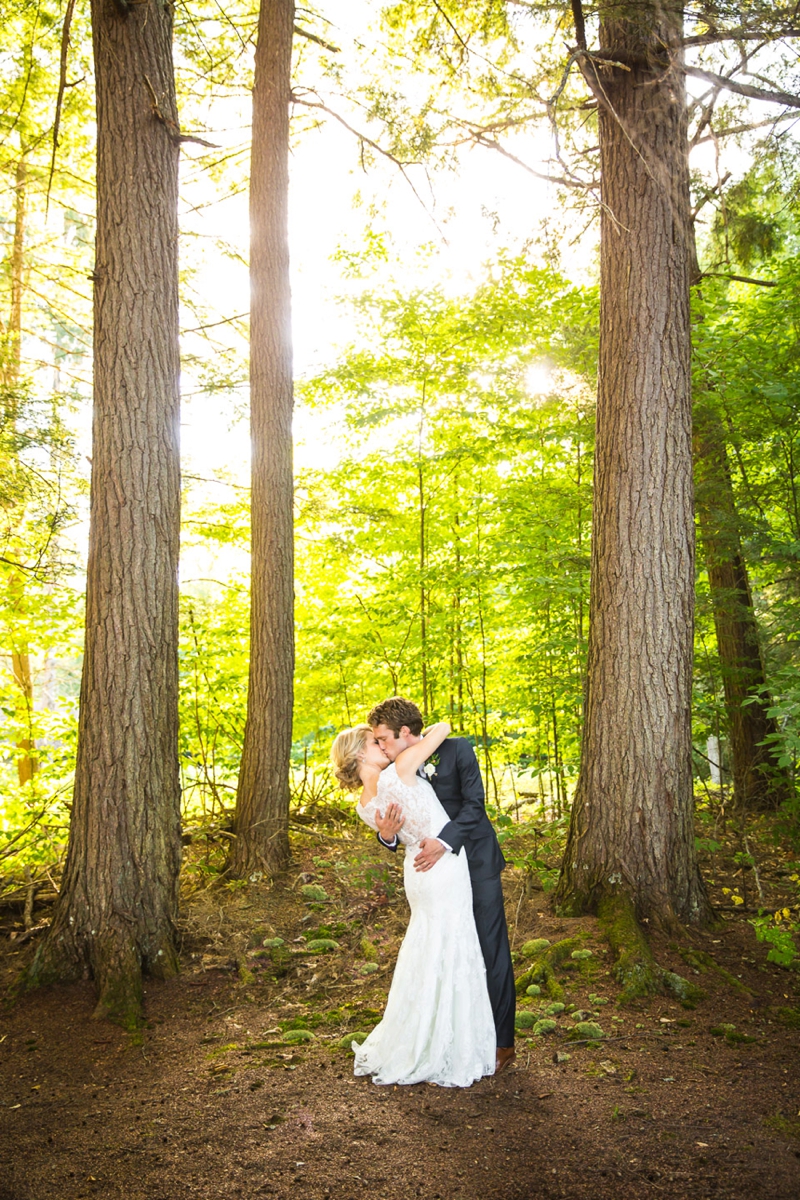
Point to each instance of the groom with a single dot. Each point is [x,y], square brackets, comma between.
[456,779]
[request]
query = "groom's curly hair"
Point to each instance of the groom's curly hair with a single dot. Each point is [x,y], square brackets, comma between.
[396,712]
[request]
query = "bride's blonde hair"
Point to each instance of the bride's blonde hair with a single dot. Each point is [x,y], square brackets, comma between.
[344,755]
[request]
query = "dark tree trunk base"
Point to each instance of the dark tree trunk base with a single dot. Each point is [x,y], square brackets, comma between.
[259,853]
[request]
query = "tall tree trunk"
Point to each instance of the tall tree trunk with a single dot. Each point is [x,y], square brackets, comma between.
[20,657]
[758,781]
[631,839]
[262,801]
[118,903]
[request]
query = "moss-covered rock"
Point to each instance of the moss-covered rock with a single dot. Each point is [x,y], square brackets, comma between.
[524,1020]
[582,955]
[533,990]
[312,891]
[322,946]
[555,1008]
[586,1030]
[368,968]
[272,943]
[346,1042]
[534,947]
[544,1026]
[294,1037]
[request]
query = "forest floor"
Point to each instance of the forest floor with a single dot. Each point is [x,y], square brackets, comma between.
[215,1101]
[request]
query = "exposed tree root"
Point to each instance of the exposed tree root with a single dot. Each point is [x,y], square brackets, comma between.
[635,968]
[544,966]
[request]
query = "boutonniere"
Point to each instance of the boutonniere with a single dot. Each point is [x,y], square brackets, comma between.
[432,764]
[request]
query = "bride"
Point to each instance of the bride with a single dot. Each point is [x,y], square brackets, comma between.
[438,1025]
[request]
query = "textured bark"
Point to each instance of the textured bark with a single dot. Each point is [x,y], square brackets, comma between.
[631,826]
[262,801]
[758,781]
[20,658]
[116,911]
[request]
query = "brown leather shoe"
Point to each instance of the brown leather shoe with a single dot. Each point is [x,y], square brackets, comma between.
[505,1056]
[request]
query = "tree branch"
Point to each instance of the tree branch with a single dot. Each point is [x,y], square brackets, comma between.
[743,89]
[312,37]
[490,144]
[739,35]
[62,83]
[738,279]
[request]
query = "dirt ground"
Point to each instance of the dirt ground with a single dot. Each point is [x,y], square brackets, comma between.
[214,1101]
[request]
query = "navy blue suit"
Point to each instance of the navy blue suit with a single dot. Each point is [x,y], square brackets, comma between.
[458,785]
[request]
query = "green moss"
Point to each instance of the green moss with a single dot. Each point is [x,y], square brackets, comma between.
[555,1008]
[790,1017]
[542,970]
[312,891]
[634,968]
[582,955]
[272,943]
[701,962]
[524,1020]
[586,1029]
[296,1036]
[534,947]
[533,990]
[346,1042]
[369,950]
[732,1036]
[322,946]
[368,968]
[544,1026]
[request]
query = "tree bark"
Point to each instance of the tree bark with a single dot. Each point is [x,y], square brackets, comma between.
[118,903]
[758,782]
[20,657]
[262,800]
[631,836]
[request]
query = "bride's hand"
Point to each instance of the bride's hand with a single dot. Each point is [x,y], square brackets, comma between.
[390,823]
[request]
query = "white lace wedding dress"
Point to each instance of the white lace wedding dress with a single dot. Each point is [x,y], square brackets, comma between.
[438,1024]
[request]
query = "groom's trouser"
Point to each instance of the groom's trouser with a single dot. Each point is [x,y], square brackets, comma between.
[490,922]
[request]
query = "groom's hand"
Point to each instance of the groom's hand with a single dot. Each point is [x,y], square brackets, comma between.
[391,822]
[430,851]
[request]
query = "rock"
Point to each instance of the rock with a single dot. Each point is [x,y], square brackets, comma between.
[586,1029]
[582,1014]
[295,1036]
[534,947]
[346,1042]
[322,946]
[561,1056]
[312,891]
[544,1026]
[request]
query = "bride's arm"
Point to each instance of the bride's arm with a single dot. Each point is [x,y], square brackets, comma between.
[411,759]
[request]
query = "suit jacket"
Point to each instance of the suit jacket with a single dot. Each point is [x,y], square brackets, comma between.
[459,787]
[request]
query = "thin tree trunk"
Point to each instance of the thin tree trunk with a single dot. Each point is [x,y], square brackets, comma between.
[118,903]
[20,657]
[631,839]
[758,781]
[262,801]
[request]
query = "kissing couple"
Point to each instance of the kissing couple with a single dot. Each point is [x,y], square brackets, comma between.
[449,1017]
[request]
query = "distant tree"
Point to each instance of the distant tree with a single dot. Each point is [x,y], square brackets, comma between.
[116,911]
[262,800]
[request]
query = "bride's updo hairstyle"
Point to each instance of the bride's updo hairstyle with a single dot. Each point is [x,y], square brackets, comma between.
[344,755]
